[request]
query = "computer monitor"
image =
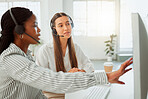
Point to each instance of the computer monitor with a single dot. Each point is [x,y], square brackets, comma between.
[140,57]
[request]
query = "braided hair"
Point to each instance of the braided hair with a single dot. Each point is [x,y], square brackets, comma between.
[7,25]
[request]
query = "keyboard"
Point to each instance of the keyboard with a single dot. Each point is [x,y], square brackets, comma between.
[98,92]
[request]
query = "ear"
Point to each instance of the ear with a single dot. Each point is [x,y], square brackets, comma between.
[16,35]
[54,29]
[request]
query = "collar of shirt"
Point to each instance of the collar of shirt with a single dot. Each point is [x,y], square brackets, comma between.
[15,49]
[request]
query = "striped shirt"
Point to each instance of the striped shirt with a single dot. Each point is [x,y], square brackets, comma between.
[21,78]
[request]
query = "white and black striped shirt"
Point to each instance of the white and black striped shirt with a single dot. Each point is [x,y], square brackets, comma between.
[21,78]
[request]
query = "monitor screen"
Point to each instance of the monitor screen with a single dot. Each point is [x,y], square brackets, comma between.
[140,57]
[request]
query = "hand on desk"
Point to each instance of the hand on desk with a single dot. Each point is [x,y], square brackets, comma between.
[76,70]
[113,77]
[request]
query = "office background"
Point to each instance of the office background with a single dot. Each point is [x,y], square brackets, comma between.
[94,21]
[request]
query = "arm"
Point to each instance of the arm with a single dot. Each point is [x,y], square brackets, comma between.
[85,63]
[26,71]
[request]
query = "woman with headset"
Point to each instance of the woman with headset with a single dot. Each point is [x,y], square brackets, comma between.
[22,78]
[62,54]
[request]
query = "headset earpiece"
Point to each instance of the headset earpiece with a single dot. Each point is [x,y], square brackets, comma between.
[19,29]
[72,24]
[54,30]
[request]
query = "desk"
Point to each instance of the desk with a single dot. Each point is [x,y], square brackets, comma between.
[116,92]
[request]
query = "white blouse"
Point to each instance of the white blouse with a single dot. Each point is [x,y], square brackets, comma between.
[45,57]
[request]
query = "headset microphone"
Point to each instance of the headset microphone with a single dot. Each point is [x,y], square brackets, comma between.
[32,37]
[19,29]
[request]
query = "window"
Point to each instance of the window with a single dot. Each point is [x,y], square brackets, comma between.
[33,6]
[94,17]
[125,28]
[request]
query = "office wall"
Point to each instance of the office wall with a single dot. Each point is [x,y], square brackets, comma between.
[44,20]
[93,47]
[139,6]
[96,44]
[48,9]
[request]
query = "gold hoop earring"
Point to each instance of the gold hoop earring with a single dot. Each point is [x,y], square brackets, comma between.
[21,36]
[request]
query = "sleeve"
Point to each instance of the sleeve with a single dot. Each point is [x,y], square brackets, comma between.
[85,63]
[22,69]
[42,58]
[40,95]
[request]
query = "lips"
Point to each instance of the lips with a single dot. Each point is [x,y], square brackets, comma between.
[66,32]
[38,38]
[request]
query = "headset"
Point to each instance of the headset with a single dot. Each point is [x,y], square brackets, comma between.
[20,29]
[54,30]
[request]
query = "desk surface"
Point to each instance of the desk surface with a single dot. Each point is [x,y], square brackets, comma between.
[116,92]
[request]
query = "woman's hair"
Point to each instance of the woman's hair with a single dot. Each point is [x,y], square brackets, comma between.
[58,49]
[7,25]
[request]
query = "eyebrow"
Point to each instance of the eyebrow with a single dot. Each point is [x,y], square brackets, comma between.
[65,22]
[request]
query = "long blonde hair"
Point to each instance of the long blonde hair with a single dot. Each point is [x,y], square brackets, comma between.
[58,53]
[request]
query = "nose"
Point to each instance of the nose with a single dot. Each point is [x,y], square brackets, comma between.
[65,27]
[38,31]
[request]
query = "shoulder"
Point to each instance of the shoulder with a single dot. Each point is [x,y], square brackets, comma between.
[12,54]
[45,47]
[12,50]
[77,47]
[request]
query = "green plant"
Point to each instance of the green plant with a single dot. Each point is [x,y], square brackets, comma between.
[110,45]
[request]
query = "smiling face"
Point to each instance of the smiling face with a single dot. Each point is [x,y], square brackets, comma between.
[31,28]
[63,26]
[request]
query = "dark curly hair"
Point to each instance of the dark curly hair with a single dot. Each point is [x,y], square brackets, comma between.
[7,24]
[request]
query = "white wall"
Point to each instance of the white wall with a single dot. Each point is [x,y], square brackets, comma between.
[140,6]
[48,9]
[93,47]
[68,7]
[44,20]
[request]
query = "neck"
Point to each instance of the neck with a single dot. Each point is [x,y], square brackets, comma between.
[23,46]
[63,43]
